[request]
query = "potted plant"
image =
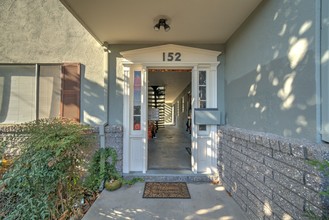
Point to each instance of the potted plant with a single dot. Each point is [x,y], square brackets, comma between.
[112,184]
[113,180]
[103,173]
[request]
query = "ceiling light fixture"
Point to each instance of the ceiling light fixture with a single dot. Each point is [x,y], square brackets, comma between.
[105,46]
[162,22]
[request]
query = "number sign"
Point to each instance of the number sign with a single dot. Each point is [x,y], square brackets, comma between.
[171,56]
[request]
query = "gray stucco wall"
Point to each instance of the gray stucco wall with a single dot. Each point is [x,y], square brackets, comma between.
[115,82]
[39,31]
[270,70]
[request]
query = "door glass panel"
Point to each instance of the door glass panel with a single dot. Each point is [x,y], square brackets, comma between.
[137,101]
[202,77]
[137,110]
[202,94]
[202,104]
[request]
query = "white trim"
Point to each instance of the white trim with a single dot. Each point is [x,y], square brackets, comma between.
[193,58]
[145,115]
[318,68]
[170,47]
[194,130]
[324,69]
[126,121]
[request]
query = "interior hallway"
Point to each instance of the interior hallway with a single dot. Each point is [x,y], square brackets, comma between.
[168,149]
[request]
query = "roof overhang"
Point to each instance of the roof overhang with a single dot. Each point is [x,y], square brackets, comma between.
[132,22]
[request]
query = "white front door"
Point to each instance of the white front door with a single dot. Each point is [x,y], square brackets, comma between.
[204,137]
[204,95]
[135,120]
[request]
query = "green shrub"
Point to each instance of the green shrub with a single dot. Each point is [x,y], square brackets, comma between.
[103,167]
[44,181]
[100,168]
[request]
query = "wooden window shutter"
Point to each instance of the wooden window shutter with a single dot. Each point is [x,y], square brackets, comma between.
[70,91]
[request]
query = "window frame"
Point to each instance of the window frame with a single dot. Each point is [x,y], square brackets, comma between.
[37,67]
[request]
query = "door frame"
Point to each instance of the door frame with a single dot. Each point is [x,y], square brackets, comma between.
[155,57]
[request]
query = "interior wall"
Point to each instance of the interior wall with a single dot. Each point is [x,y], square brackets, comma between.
[38,31]
[270,70]
[168,114]
[181,116]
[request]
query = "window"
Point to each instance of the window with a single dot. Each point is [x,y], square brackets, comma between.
[17,96]
[178,108]
[36,91]
[137,100]
[202,87]
[183,104]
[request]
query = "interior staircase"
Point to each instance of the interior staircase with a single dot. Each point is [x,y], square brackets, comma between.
[156,99]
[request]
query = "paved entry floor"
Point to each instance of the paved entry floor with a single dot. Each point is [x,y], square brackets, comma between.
[168,149]
[207,202]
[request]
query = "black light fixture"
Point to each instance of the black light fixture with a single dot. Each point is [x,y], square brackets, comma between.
[105,46]
[162,22]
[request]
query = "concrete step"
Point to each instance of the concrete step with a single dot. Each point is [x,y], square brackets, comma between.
[172,176]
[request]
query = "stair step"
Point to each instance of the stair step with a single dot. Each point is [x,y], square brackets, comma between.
[171,176]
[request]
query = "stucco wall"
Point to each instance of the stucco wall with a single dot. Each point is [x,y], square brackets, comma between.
[39,31]
[270,70]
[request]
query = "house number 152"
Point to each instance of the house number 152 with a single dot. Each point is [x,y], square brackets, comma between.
[171,56]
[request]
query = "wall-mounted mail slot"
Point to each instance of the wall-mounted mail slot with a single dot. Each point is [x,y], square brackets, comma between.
[207,116]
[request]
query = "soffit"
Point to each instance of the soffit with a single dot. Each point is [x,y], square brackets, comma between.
[191,21]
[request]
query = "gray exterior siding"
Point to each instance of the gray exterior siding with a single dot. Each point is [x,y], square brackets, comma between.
[270,71]
[37,31]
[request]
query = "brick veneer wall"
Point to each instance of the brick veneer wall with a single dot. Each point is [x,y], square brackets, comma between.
[114,139]
[268,175]
[9,136]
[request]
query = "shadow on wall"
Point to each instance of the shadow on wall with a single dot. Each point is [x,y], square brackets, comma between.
[92,102]
[279,94]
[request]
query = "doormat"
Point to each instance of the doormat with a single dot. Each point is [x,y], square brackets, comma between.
[166,190]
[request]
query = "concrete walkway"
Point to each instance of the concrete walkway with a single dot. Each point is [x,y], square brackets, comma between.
[207,201]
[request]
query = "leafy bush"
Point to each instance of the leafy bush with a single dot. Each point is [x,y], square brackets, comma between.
[100,168]
[44,181]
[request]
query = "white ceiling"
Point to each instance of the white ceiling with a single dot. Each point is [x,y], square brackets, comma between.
[132,21]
